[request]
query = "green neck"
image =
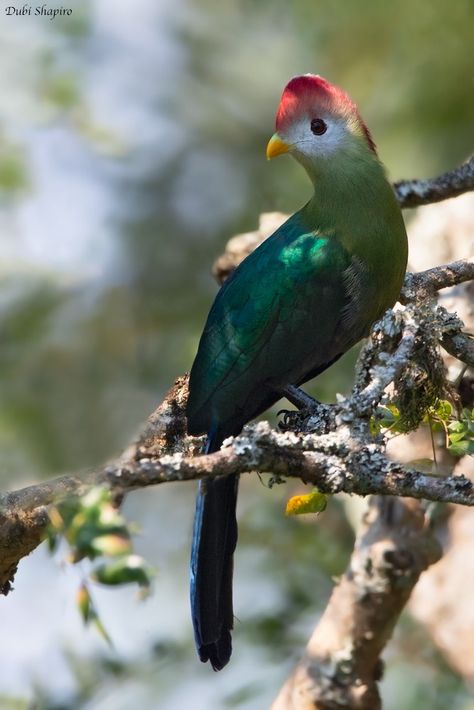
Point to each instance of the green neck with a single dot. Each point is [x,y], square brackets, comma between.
[354,202]
[351,180]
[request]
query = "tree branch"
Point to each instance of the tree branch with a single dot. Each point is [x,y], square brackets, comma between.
[334,462]
[426,283]
[333,448]
[341,665]
[413,193]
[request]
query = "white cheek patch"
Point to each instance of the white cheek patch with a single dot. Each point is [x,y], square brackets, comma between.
[306,143]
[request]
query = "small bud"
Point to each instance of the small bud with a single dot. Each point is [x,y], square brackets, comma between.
[84,604]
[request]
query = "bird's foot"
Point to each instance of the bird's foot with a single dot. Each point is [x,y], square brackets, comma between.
[307,406]
[290,419]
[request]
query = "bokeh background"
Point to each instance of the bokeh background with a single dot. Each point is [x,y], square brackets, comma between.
[132,146]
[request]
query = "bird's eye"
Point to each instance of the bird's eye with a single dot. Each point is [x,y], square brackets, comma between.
[318,126]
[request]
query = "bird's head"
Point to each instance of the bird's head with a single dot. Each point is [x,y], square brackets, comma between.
[316,120]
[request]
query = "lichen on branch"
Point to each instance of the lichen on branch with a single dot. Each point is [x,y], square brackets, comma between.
[333,448]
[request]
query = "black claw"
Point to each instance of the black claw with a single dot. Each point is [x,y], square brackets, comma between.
[289,416]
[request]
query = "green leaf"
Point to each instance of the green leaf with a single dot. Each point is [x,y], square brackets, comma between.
[455,437]
[388,415]
[314,502]
[84,603]
[456,426]
[461,448]
[126,570]
[443,409]
[89,612]
[111,545]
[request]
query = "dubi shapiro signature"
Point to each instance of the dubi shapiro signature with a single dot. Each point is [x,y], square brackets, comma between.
[40,10]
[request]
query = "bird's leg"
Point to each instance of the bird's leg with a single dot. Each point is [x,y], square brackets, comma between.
[299,398]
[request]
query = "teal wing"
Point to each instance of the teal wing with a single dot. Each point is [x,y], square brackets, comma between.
[288,309]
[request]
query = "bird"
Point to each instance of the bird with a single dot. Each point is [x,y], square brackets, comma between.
[294,306]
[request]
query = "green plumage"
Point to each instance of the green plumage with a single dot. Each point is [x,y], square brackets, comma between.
[302,298]
[296,304]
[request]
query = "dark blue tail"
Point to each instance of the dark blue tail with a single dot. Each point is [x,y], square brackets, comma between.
[214,540]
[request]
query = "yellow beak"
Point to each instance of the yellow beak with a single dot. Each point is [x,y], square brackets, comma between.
[276,147]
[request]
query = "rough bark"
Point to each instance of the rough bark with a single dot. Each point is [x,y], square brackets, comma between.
[341,665]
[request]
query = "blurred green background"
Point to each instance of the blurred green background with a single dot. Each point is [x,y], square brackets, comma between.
[132,146]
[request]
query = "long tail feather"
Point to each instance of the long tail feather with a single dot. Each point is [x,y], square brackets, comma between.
[214,540]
